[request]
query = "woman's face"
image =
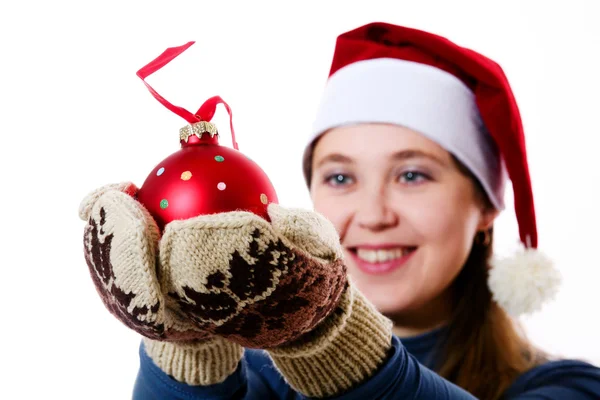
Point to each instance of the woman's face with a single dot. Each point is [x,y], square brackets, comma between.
[406,214]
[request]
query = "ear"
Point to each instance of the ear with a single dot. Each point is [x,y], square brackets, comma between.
[488,216]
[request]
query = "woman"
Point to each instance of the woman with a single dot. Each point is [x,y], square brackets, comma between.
[408,160]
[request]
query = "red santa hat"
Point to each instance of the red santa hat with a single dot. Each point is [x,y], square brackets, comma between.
[461,100]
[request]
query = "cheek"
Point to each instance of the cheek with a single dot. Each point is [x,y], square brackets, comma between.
[445,217]
[337,209]
[445,226]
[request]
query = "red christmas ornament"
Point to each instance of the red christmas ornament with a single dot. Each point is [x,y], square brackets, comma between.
[203,177]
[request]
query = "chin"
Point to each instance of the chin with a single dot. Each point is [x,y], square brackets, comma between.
[387,298]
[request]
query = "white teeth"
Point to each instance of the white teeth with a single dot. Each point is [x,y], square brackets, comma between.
[377,256]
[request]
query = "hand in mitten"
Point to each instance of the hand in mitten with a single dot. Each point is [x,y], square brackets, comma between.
[120,248]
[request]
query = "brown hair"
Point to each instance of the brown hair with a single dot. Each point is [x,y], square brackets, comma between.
[485,350]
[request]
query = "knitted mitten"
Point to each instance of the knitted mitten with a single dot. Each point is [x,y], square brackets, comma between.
[121,248]
[235,275]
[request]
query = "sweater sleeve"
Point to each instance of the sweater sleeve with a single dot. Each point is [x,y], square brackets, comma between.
[557,380]
[403,377]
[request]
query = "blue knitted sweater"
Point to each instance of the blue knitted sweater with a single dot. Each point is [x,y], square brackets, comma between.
[405,375]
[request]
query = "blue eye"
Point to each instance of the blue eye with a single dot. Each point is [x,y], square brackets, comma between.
[338,180]
[412,177]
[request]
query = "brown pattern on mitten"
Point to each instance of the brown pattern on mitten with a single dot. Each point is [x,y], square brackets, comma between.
[234,275]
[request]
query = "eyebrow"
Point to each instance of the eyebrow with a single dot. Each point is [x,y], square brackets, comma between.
[398,156]
[409,154]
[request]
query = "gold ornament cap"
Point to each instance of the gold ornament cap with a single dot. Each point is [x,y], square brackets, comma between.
[197,129]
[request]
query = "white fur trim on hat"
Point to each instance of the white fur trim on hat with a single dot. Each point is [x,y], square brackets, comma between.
[419,97]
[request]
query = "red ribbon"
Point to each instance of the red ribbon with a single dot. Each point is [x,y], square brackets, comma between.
[206,111]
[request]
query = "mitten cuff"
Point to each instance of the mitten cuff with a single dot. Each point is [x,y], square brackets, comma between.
[201,363]
[344,350]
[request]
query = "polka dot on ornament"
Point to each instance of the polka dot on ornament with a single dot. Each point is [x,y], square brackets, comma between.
[219,158]
[185,176]
[164,203]
[221,186]
[160,171]
[264,199]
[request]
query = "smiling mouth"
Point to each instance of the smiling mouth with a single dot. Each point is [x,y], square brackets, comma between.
[377,261]
[382,255]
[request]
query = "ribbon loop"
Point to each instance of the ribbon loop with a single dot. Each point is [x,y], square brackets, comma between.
[205,113]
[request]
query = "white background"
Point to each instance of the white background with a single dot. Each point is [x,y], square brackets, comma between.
[74,116]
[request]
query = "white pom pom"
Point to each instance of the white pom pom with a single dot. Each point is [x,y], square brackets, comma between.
[521,284]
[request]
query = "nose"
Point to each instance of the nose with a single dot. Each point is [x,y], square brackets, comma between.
[374,211]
